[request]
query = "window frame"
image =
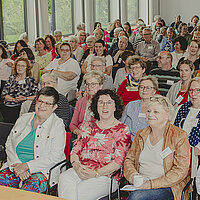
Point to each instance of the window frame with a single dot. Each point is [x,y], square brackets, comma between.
[53,17]
[137,16]
[1,20]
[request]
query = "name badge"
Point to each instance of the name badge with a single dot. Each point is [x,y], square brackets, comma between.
[120,60]
[179,99]
[169,82]
[142,115]
[195,122]
[99,136]
[165,152]
[150,47]
[22,82]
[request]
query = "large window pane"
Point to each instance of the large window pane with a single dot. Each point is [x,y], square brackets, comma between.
[132,7]
[13,19]
[101,11]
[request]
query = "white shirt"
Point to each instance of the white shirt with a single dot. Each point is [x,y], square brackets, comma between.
[70,65]
[5,70]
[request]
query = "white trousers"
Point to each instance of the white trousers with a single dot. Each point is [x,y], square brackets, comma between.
[71,187]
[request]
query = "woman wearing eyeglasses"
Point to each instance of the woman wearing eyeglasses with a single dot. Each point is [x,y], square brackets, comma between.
[99,151]
[134,114]
[158,162]
[128,90]
[188,118]
[94,82]
[35,144]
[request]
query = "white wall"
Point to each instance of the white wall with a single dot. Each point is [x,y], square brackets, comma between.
[186,8]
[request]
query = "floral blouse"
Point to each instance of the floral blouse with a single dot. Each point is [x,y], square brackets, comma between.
[97,147]
[26,87]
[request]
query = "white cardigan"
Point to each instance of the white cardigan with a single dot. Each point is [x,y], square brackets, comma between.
[48,147]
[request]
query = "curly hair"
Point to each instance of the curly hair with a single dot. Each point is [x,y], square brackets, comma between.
[28,66]
[182,41]
[119,105]
[4,54]
[40,40]
[51,37]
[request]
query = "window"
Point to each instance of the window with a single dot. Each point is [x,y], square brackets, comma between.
[13,19]
[132,8]
[102,12]
[61,15]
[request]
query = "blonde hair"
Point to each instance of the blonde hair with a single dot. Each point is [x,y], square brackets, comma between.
[153,79]
[164,102]
[95,74]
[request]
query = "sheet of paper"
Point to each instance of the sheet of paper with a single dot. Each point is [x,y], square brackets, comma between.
[129,188]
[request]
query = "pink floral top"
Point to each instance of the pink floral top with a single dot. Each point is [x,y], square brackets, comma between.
[97,148]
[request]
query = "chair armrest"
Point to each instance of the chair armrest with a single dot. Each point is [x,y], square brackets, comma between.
[186,187]
[66,163]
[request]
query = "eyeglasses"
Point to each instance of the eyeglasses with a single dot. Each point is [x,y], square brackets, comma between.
[196,90]
[135,68]
[108,103]
[64,50]
[146,87]
[40,102]
[47,83]
[91,84]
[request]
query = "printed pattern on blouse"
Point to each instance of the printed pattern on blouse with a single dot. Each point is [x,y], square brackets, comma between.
[97,148]
[26,87]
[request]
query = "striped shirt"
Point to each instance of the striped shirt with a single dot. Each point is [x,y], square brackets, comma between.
[166,78]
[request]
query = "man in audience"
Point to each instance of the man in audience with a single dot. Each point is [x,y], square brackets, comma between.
[148,48]
[122,73]
[165,74]
[62,111]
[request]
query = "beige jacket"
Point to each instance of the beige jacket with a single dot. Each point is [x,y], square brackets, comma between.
[176,165]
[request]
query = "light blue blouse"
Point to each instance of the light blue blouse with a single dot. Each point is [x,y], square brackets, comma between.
[134,118]
[25,149]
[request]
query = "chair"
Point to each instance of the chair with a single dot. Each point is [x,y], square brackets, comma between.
[5,129]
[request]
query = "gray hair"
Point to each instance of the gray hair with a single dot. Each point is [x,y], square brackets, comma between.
[23,36]
[73,37]
[123,36]
[99,58]
[164,102]
[153,79]
[53,77]
[95,74]
[118,29]
[57,32]
[90,37]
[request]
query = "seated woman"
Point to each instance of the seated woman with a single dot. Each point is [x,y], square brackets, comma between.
[5,66]
[35,67]
[50,43]
[82,39]
[99,151]
[128,90]
[134,114]
[42,57]
[76,50]
[188,118]
[193,54]
[160,154]
[178,92]
[106,36]
[35,144]
[19,88]
[100,51]
[94,82]
[18,46]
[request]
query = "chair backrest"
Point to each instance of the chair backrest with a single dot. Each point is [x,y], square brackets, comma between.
[68,146]
[5,129]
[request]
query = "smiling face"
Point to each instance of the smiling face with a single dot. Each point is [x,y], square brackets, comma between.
[147,35]
[193,48]
[106,107]
[73,43]
[90,43]
[65,52]
[156,116]
[99,48]
[186,72]
[23,54]
[136,71]
[98,66]
[146,89]
[48,43]
[39,45]
[92,86]
[21,67]
[44,106]
[194,93]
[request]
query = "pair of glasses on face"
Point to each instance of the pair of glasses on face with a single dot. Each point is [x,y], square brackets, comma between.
[64,50]
[40,102]
[148,88]
[91,84]
[196,90]
[108,103]
[95,65]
